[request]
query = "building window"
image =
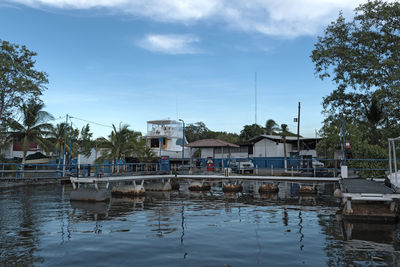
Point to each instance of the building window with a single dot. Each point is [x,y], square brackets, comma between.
[179,142]
[154,142]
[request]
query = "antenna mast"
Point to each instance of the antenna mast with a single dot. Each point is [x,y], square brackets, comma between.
[255,97]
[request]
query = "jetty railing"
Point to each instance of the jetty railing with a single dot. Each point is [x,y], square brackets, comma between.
[372,168]
[55,171]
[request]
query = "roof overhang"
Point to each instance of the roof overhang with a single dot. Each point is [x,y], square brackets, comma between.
[210,143]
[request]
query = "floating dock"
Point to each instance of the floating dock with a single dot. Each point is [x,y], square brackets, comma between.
[362,199]
[367,200]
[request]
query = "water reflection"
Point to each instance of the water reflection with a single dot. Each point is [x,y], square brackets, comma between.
[22,216]
[185,228]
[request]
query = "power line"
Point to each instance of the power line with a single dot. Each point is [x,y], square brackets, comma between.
[99,124]
[59,118]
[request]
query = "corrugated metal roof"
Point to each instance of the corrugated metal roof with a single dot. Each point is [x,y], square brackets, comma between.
[210,143]
[278,138]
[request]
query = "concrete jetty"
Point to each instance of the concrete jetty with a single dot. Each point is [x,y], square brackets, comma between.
[368,200]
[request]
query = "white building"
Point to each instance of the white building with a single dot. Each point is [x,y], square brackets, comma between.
[14,150]
[165,138]
[272,146]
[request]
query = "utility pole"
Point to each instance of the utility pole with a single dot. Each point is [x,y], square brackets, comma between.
[183,145]
[298,130]
[65,141]
[344,142]
[70,144]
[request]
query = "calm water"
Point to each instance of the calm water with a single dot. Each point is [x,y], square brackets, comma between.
[39,226]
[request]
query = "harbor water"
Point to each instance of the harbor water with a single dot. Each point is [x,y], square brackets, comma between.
[40,226]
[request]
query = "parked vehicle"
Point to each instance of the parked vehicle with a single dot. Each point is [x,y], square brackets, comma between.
[243,166]
[317,164]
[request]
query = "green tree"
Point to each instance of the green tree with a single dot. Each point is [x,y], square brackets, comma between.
[362,57]
[121,143]
[144,153]
[271,127]
[33,128]
[85,143]
[19,80]
[199,130]
[196,131]
[56,136]
[225,136]
[250,131]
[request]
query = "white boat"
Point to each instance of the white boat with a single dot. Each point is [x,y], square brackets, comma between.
[165,138]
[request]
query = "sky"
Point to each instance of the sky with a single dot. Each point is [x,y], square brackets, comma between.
[130,61]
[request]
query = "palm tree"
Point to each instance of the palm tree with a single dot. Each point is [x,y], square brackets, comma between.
[284,131]
[56,137]
[271,126]
[33,127]
[145,153]
[84,143]
[121,142]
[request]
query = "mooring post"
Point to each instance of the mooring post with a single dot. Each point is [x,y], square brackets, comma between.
[348,205]
[393,205]
[272,169]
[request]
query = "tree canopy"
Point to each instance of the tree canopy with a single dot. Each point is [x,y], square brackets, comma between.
[251,131]
[199,130]
[19,80]
[271,127]
[362,58]
[33,128]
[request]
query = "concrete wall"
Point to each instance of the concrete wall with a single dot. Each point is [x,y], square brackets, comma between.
[269,148]
[9,153]
[264,148]
[91,159]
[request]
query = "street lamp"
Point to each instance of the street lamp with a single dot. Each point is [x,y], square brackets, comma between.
[183,145]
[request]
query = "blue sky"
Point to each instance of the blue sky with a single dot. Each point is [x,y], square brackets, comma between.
[112,61]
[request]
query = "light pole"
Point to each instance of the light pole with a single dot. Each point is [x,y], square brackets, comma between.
[183,145]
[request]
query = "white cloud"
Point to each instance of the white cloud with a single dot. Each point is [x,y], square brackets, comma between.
[170,43]
[287,18]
